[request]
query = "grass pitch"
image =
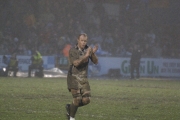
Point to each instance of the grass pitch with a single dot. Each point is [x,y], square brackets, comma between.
[45,99]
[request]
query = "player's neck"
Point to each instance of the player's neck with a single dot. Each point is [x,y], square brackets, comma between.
[81,49]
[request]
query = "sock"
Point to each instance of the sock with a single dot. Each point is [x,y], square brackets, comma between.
[81,104]
[71,118]
[73,110]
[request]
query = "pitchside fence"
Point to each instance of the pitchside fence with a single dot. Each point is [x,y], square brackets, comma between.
[151,67]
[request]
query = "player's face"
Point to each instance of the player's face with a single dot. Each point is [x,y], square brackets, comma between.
[82,41]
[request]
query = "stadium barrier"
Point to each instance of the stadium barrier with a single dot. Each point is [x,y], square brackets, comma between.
[152,67]
[24,62]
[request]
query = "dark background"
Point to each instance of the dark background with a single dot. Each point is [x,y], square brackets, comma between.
[49,25]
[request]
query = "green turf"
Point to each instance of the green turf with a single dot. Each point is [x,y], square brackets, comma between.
[45,99]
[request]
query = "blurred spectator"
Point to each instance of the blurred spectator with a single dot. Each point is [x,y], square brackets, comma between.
[147,51]
[48,25]
[151,37]
[36,63]
[66,49]
[12,65]
[156,51]
[121,51]
[97,37]
[108,43]
[7,30]
[95,20]
[135,61]
[43,48]
[47,17]
[166,50]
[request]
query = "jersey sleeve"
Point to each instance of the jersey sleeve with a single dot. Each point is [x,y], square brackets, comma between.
[73,55]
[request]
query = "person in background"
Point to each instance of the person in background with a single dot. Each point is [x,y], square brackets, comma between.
[36,63]
[12,65]
[66,49]
[77,81]
[135,61]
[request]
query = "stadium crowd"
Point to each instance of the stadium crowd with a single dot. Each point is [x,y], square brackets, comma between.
[51,25]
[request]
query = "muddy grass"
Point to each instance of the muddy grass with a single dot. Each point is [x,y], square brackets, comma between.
[45,99]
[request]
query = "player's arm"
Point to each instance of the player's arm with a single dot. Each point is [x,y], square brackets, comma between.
[94,58]
[79,61]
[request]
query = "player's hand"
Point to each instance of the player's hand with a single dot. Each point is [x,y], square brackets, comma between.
[89,51]
[95,48]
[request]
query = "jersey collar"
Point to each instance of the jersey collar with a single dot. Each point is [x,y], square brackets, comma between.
[76,46]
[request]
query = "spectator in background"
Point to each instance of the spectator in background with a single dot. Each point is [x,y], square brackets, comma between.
[24,18]
[135,61]
[147,50]
[108,43]
[12,65]
[47,17]
[4,48]
[66,49]
[97,37]
[167,48]
[37,63]
[7,29]
[156,51]
[95,20]
[5,59]
[151,37]
[121,51]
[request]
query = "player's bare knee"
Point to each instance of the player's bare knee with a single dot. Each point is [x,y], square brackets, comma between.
[77,101]
[86,100]
[86,97]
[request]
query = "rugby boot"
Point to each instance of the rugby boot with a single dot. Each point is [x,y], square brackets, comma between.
[68,111]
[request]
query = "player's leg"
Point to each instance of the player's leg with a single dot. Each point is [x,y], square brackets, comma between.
[85,100]
[86,94]
[77,98]
[41,71]
[29,70]
[15,69]
[39,68]
[6,72]
[137,71]
[132,71]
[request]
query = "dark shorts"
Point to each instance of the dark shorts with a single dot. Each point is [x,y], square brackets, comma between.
[74,83]
[82,92]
